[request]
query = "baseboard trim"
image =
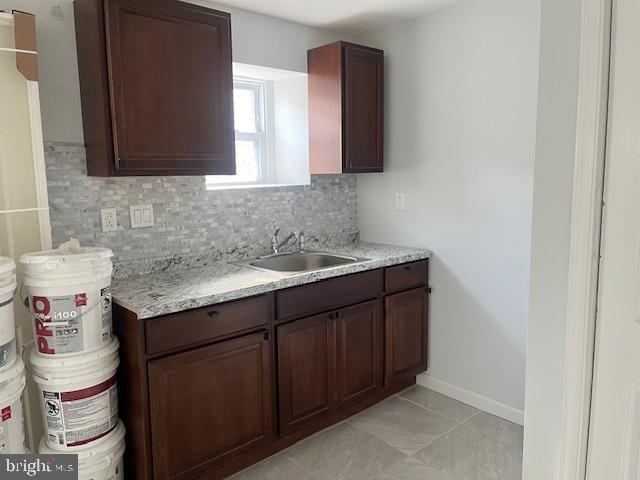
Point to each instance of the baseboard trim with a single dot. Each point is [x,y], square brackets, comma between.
[471,398]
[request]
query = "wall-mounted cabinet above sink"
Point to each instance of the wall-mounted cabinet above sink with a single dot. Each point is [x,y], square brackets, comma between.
[346,111]
[156,84]
[156,87]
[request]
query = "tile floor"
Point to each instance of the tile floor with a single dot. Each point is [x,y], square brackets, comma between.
[416,435]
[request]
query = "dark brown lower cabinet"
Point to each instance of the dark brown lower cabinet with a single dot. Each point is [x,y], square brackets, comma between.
[359,352]
[405,335]
[306,366]
[209,404]
[217,395]
[327,362]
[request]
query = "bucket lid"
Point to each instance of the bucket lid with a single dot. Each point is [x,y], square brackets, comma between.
[90,452]
[7,266]
[12,374]
[57,257]
[53,363]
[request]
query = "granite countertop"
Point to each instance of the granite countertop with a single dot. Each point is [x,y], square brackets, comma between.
[174,291]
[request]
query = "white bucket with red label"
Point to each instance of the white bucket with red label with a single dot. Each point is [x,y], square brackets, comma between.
[99,460]
[7,322]
[69,295]
[78,395]
[12,383]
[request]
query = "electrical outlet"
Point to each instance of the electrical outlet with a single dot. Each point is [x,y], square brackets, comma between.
[399,201]
[109,219]
[141,216]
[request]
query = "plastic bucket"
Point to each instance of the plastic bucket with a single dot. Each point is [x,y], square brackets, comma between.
[12,383]
[78,395]
[69,295]
[7,322]
[100,460]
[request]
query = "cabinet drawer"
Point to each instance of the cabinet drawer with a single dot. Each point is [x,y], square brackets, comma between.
[204,324]
[328,294]
[406,276]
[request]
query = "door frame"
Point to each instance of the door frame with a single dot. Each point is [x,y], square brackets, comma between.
[590,152]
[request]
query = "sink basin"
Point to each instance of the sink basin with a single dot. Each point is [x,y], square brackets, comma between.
[301,262]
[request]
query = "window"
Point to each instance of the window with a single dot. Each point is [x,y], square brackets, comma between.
[271,129]
[249,110]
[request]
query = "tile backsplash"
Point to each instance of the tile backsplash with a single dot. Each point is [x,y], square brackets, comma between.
[190,220]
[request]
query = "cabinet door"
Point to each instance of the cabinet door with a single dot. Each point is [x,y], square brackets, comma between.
[405,335]
[358,352]
[306,371]
[208,405]
[363,109]
[171,86]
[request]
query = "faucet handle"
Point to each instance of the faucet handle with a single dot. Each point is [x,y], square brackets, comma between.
[300,236]
[274,241]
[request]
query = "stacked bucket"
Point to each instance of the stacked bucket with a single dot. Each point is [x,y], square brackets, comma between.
[12,379]
[75,357]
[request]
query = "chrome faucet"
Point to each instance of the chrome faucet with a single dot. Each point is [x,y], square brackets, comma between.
[276,245]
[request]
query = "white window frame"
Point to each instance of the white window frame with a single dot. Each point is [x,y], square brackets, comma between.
[263,108]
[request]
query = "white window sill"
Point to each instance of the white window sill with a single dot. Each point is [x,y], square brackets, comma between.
[234,186]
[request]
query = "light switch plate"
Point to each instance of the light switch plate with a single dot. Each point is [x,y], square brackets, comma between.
[109,219]
[399,201]
[141,216]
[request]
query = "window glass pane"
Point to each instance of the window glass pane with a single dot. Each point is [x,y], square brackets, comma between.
[244,110]
[247,164]
[247,103]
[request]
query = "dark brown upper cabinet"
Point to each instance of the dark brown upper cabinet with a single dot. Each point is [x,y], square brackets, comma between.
[346,108]
[156,84]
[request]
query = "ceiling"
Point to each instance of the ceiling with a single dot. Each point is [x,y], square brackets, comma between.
[350,16]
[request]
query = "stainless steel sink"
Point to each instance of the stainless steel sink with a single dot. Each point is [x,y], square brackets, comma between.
[300,262]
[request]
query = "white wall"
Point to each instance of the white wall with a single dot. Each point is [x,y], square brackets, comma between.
[58,67]
[257,39]
[460,118]
[553,189]
[291,128]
